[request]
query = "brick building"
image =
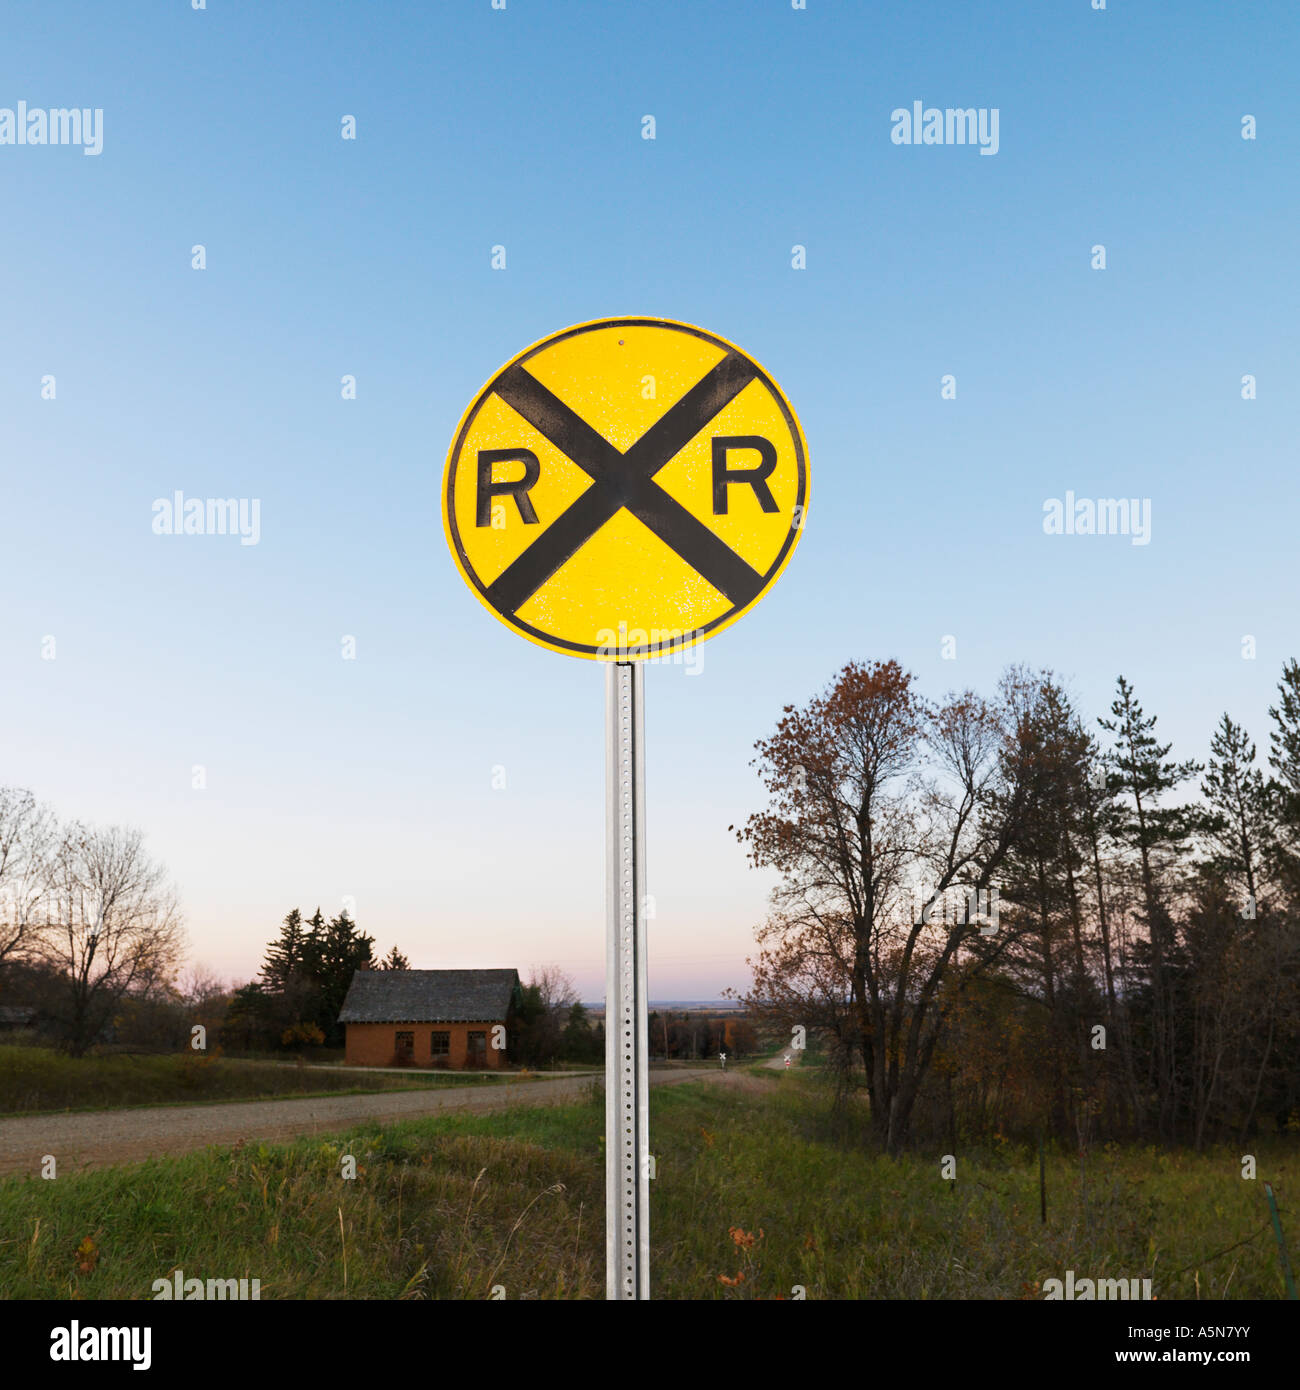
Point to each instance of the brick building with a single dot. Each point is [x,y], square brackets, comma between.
[429,1018]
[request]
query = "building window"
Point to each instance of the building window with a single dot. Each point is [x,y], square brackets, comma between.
[440,1044]
[477,1048]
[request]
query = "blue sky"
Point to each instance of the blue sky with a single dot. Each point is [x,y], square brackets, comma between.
[371,778]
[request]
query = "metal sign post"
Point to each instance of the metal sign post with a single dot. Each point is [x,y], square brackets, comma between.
[597,519]
[627,1087]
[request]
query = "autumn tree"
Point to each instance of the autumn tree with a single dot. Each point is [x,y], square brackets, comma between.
[879,807]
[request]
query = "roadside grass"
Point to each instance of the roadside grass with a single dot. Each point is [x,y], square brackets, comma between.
[843,1222]
[756,1195]
[35,1080]
[435,1211]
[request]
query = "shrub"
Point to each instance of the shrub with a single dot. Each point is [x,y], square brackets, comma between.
[302,1035]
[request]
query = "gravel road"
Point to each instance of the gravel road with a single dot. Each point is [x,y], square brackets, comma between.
[100,1138]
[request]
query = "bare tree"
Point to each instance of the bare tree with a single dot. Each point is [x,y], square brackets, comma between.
[548,996]
[555,987]
[114,927]
[28,837]
[199,987]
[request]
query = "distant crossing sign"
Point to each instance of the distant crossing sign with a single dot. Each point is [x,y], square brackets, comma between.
[625,488]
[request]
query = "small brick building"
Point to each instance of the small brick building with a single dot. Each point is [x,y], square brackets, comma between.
[429,1018]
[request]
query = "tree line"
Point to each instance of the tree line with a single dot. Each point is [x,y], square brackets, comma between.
[1000,917]
[692,1035]
[92,943]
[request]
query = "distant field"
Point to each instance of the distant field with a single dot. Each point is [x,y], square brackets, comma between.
[36,1079]
[751,1187]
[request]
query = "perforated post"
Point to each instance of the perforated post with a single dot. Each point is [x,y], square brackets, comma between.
[627,1145]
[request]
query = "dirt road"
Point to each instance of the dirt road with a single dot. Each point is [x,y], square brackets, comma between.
[96,1139]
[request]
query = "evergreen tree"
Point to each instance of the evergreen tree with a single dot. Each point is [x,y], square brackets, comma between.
[1239,822]
[531,1018]
[341,950]
[1043,881]
[249,1021]
[1141,774]
[395,960]
[307,972]
[1284,754]
[313,945]
[1142,771]
[285,956]
[1098,821]
[577,1040]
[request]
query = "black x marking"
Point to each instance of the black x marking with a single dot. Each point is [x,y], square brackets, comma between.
[625,480]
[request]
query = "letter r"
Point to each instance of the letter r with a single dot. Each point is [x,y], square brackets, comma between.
[723,476]
[517,488]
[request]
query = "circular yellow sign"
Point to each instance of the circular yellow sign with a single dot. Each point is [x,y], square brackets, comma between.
[625,488]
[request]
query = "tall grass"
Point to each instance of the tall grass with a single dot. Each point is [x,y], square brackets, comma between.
[755,1196]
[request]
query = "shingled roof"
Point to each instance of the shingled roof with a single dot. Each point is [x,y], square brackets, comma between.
[429,996]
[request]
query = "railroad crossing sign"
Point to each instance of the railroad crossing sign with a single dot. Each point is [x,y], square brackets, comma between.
[618,491]
[625,488]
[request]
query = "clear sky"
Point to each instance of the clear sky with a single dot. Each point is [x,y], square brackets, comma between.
[372,778]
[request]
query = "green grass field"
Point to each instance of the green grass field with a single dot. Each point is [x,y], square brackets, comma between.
[36,1079]
[751,1186]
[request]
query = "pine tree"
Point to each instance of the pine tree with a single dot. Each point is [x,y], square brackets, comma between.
[1098,818]
[1042,877]
[578,1041]
[395,960]
[342,950]
[1142,770]
[1239,823]
[1141,773]
[285,956]
[313,944]
[1284,754]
